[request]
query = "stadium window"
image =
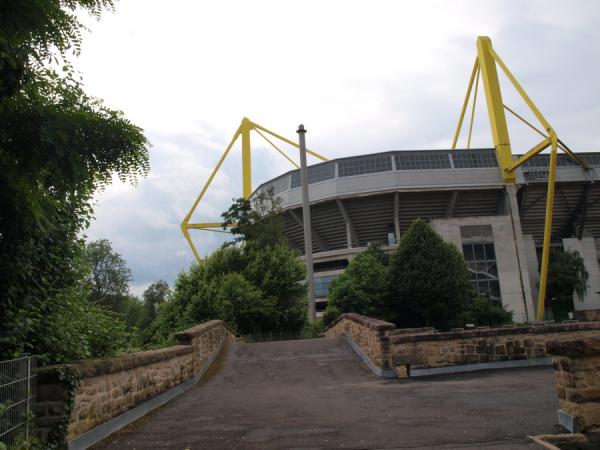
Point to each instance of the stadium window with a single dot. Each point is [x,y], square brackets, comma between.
[322,285]
[480,256]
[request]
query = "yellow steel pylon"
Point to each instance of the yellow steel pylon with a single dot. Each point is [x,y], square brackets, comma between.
[485,65]
[244,131]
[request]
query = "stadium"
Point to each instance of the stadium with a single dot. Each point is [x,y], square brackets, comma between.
[498,226]
[502,210]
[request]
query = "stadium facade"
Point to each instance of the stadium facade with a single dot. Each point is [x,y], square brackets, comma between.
[498,226]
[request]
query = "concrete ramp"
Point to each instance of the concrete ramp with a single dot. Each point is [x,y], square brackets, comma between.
[318,394]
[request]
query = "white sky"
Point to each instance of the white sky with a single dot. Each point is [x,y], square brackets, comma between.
[363,76]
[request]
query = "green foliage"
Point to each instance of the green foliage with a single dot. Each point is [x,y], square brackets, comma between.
[78,329]
[567,276]
[257,220]
[154,296]
[480,312]
[244,306]
[429,280]
[109,275]
[255,287]
[58,146]
[363,288]
[71,379]
[313,330]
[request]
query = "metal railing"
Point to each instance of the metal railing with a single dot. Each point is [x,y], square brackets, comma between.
[17,399]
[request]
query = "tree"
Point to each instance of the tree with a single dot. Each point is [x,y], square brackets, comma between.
[255,287]
[258,220]
[75,328]
[244,306]
[429,280]
[109,275]
[481,311]
[567,276]
[154,296]
[362,288]
[58,146]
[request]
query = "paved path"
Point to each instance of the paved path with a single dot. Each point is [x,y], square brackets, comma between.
[317,394]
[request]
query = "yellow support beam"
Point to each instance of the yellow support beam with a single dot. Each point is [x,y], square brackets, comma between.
[243,130]
[246,159]
[495,106]
[474,72]
[485,63]
[541,307]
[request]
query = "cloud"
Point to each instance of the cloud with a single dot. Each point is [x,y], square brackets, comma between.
[362,76]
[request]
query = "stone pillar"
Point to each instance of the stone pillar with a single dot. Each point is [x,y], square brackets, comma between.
[577,370]
[586,247]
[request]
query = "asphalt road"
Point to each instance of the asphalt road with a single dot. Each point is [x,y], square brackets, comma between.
[317,394]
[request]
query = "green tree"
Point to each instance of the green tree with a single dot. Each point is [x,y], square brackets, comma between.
[255,287]
[244,306]
[154,296]
[480,311]
[58,146]
[109,275]
[567,277]
[363,288]
[429,280]
[76,328]
[258,220]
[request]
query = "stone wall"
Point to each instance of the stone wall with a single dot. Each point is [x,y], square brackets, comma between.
[577,369]
[400,350]
[588,315]
[367,333]
[433,350]
[79,396]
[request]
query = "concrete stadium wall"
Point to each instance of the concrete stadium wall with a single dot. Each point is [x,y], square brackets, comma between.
[586,247]
[84,401]
[577,370]
[514,281]
[423,351]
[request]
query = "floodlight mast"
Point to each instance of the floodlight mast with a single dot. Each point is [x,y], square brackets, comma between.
[246,126]
[486,63]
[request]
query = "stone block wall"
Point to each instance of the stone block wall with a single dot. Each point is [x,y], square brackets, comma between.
[577,370]
[367,333]
[588,315]
[84,394]
[433,350]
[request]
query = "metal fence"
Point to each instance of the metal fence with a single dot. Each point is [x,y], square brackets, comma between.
[17,399]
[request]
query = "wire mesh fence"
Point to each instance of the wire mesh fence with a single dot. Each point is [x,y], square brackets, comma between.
[17,399]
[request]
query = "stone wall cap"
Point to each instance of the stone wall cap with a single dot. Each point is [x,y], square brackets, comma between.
[94,367]
[369,322]
[186,336]
[470,334]
[405,331]
[575,348]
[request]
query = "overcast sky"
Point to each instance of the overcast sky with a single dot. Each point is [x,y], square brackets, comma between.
[363,76]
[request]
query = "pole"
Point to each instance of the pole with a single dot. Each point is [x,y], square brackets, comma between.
[310,278]
[547,231]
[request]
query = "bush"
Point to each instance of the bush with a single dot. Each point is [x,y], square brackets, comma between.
[567,277]
[481,311]
[429,280]
[362,288]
